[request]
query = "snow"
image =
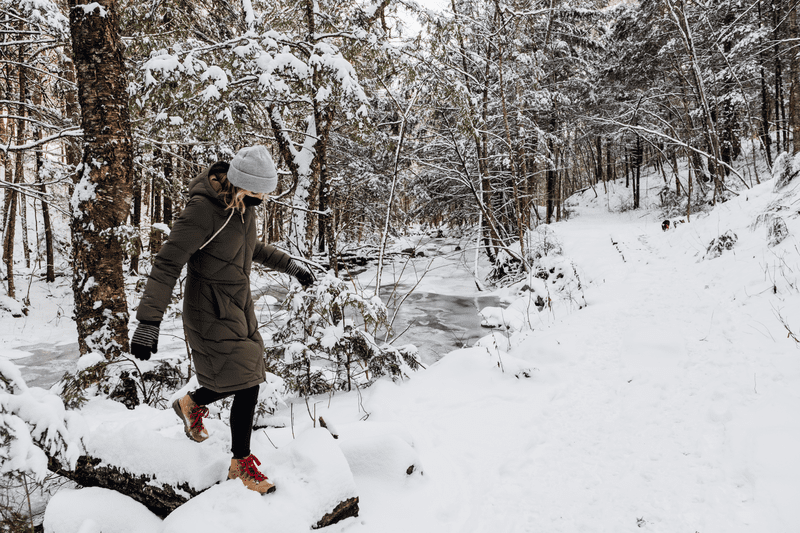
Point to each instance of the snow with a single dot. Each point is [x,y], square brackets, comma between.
[250,16]
[11,305]
[88,9]
[313,477]
[219,76]
[210,93]
[666,401]
[84,191]
[164,63]
[95,510]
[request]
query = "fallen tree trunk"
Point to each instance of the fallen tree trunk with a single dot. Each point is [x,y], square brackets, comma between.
[159,498]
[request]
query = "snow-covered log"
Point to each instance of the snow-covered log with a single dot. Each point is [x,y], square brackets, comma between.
[160,499]
[143,454]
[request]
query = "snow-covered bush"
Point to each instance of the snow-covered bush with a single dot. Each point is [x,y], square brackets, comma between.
[33,427]
[785,169]
[726,241]
[12,306]
[327,340]
[777,231]
[545,259]
[125,380]
[539,242]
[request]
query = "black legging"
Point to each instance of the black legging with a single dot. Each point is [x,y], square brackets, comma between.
[242,412]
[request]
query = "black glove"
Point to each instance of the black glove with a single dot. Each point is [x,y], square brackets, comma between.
[297,270]
[145,340]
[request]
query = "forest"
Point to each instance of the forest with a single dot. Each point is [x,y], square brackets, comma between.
[381,116]
[476,118]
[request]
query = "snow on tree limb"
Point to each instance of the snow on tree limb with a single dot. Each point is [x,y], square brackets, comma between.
[33,425]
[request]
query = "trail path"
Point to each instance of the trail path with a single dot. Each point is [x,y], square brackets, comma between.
[638,413]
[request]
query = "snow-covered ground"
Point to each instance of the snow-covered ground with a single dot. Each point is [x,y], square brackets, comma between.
[668,403]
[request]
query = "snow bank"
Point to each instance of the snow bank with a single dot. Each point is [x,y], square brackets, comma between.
[381,450]
[311,475]
[96,510]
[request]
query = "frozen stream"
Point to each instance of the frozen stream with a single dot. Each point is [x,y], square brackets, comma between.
[438,324]
[435,323]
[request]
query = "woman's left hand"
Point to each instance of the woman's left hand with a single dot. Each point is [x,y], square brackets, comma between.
[302,275]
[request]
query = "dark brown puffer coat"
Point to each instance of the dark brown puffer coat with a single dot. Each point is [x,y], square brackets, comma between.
[218,312]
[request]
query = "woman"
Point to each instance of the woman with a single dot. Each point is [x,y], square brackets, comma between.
[216,235]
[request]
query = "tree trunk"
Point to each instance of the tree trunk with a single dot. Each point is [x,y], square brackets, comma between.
[8,238]
[637,182]
[489,237]
[678,13]
[169,171]
[103,183]
[689,195]
[325,221]
[794,75]
[550,185]
[298,226]
[156,185]
[50,274]
[519,217]
[675,169]
[765,138]
[136,221]
[779,114]
[598,168]
[627,169]
[20,155]
[71,108]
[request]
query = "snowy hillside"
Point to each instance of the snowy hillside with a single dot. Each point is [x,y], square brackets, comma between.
[667,403]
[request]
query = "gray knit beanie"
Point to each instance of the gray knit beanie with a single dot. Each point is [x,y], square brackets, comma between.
[252,169]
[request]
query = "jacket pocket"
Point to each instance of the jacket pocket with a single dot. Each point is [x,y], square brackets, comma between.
[221,303]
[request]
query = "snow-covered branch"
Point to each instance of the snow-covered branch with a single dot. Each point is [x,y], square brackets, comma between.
[71,132]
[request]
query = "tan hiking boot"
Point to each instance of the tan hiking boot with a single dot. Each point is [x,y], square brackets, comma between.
[246,470]
[192,416]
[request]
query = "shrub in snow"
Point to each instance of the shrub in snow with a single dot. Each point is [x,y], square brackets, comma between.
[559,276]
[539,242]
[32,421]
[785,169]
[327,341]
[726,241]
[125,380]
[777,231]
[15,308]
[551,277]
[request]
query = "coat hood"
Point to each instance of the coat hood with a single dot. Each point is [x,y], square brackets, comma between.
[201,185]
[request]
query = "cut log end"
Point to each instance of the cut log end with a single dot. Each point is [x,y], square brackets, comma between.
[346,509]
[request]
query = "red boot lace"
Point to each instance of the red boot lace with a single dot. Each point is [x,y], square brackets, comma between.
[197,414]
[247,465]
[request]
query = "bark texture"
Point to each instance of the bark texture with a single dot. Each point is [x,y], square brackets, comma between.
[345,509]
[103,181]
[160,499]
